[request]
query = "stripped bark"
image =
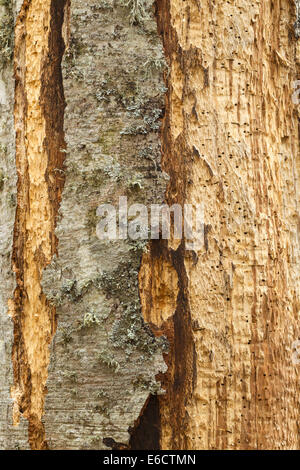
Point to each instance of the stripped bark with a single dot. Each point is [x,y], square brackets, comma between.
[108,345]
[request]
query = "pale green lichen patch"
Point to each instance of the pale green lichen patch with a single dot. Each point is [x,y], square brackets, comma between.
[146,383]
[139,10]
[107,358]
[6,31]
[128,331]
[2,179]
[90,319]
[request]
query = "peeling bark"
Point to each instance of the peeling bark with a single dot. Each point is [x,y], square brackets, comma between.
[115,344]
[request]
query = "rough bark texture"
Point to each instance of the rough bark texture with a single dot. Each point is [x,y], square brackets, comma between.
[230,139]
[10,436]
[97,372]
[103,359]
[92,331]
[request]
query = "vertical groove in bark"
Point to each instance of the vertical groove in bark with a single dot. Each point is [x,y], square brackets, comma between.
[39,111]
[230,139]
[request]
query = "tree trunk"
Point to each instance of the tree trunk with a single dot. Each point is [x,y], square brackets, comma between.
[127,344]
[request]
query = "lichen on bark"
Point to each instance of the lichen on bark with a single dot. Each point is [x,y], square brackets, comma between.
[6,31]
[91,321]
[114,89]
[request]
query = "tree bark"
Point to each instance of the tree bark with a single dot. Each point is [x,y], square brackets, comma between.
[132,345]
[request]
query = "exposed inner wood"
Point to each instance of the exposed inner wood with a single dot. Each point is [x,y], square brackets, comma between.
[230,139]
[39,111]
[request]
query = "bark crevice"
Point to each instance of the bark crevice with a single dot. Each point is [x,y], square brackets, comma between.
[163,271]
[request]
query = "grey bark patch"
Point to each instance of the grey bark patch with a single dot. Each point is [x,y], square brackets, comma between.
[297,23]
[6,31]
[114,89]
